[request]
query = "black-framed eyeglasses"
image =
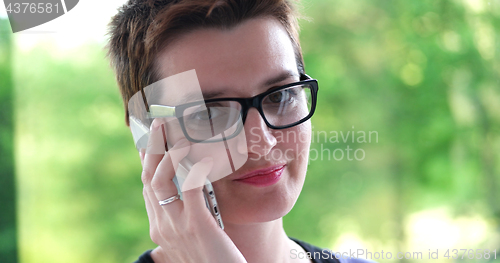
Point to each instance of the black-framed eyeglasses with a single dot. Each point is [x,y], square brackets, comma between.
[220,119]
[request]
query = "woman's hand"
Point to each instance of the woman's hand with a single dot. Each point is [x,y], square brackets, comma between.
[185,231]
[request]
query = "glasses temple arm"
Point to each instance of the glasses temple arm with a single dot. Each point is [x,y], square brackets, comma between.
[161,111]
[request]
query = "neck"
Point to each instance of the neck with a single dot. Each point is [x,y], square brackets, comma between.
[261,242]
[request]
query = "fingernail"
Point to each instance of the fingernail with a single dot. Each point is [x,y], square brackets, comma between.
[155,125]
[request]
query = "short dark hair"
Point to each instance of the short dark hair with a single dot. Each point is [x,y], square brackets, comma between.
[142,28]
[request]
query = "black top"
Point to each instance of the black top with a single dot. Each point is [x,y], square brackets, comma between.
[317,255]
[145,258]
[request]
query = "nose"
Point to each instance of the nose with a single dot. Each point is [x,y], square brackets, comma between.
[260,141]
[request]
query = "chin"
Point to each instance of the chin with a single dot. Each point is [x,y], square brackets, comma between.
[257,214]
[239,207]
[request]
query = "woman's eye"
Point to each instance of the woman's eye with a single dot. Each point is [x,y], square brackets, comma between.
[206,114]
[276,97]
[202,115]
[283,96]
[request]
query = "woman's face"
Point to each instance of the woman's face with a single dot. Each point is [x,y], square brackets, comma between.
[242,62]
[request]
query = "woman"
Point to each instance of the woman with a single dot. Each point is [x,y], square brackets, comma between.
[238,49]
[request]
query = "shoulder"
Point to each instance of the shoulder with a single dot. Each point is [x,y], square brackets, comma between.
[145,258]
[323,255]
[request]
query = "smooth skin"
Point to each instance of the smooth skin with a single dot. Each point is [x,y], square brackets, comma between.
[240,62]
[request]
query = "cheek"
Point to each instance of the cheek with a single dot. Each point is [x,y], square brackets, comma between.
[297,157]
[241,203]
[294,143]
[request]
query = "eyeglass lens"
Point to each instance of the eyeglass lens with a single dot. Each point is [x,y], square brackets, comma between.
[211,120]
[222,118]
[287,106]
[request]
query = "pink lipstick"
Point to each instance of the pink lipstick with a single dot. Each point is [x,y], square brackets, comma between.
[263,177]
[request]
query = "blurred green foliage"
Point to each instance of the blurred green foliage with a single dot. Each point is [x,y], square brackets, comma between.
[424,75]
[80,189]
[8,244]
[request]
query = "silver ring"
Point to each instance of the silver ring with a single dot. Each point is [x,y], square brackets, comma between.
[169,200]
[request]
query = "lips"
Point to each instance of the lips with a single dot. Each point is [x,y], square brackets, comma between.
[263,177]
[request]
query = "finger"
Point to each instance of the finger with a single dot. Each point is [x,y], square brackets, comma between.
[154,152]
[157,138]
[156,210]
[198,174]
[192,187]
[142,152]
[162,183]
[149,208]
[156,216]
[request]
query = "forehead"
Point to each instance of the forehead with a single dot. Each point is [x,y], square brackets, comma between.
[241,58]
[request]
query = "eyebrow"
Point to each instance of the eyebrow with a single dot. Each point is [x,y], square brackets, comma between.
[269,82]
[279,78]
[206,95]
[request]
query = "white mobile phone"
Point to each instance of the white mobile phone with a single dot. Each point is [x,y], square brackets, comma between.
[141,133]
